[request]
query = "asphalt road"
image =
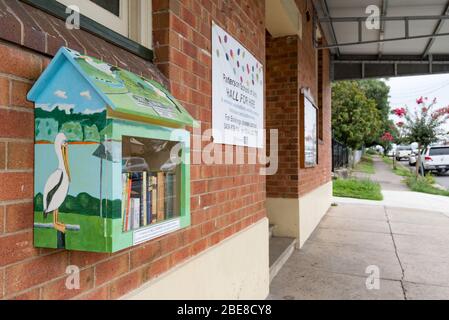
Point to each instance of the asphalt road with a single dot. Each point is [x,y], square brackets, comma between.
[443,180]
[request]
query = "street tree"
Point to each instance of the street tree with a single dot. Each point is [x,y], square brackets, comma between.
[378,91]
[355,118]
[423,124]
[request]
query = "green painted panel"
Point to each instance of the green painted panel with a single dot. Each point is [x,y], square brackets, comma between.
[132,94]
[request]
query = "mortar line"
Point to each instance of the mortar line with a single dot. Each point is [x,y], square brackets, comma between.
[404,291]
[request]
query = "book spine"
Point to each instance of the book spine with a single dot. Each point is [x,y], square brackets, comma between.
[124,201]
[144,197]
[136,213]
[128,207]
[154,199]
[169,195]
[143,200]
[161,196]
[149,194]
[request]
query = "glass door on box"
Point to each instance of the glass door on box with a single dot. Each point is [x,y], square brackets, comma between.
[151,182]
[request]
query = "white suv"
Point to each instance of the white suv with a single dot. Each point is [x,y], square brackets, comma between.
[436,159]
[403,152]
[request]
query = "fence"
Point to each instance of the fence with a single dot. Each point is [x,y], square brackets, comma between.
[340,155]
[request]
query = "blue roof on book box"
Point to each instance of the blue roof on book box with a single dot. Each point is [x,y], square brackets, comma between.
[124,91]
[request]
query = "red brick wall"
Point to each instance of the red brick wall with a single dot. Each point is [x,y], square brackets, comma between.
[282,113]
[225,198]
[312,178]
[292,65]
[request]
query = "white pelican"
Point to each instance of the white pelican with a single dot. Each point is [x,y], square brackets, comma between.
[57,185]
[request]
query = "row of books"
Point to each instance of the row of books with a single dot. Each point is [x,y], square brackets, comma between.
[148,198]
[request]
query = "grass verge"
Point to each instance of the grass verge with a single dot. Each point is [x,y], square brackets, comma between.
[420,184]
[425,185]
[366,165]
[400,169]
[358,189]
[387,160]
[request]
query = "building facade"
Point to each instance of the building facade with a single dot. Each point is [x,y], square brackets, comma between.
[224,254]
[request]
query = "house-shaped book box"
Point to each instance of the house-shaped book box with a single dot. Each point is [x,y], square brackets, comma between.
[111,157]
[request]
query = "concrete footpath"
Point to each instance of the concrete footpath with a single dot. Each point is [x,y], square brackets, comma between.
[405,238]
[409,248]
[384,176]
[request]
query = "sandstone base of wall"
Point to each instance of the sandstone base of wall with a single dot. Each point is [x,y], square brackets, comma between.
[237,268]
[299,217]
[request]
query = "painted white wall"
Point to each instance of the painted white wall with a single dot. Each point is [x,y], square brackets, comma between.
[283,18]
[237,268]
[284,214]
[298,218]
[355,157]
[312,208]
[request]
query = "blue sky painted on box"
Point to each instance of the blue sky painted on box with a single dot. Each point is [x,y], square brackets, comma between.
[71,92]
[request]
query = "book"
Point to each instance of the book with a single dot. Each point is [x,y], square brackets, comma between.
[169,195]
[136,193]
[149,192]
[124,199]
[135,205]
[160,196]
[143,200]
[128,204]
[154,199]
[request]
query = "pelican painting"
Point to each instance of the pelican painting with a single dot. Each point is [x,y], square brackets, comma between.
[57,185]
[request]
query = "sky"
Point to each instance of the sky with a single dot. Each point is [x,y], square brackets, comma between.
[405,90]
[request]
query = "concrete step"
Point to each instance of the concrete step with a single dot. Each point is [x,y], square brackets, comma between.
[271,229]
[280,251]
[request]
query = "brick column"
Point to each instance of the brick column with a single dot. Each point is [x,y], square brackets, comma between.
[224,198]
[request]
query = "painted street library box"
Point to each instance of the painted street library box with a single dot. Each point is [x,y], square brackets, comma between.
[111,157]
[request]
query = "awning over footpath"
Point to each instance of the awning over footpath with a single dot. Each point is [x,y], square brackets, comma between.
[410,37]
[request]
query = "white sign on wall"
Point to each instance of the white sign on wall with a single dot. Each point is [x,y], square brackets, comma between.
[237,94]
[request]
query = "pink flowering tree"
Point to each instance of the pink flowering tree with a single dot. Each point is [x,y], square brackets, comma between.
[386,141]
[423,124]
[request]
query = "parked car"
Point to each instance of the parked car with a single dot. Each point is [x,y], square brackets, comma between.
[413,158]
[403,152]
[391,153]
[436,159]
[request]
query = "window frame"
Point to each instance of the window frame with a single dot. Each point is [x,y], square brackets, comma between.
[58,10]
[306,95]
[119,24]
[127,128]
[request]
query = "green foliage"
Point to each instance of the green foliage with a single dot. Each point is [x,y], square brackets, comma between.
[46,129]
[378,91]
[49,123]
[84,204]
[39,202]
[355,118]
[358,189]
[424,185]
[401,171]
[73,131]
[423,124]
[91,134]
[387,160]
